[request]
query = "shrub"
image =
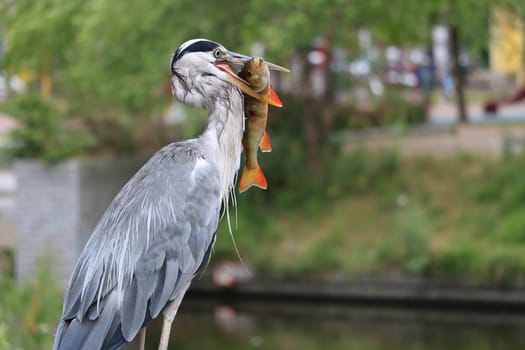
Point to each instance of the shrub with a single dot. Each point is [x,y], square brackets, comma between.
[42,132]
[391,109]
[512,228]
[457,259]
[29,312]
[505,264]
[407,245]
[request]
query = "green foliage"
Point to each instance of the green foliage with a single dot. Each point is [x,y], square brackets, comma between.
[4,345]
[356,173]
[108,59]
[452,218]
[40,33]
[29,313]
[480,261]
[340,174]
[407,244]
[38,122]
[322,257]
[511,229]
[459,259]
[504,265]
[115,53]
[394,109]
[506,188]
[42,132]
[257,226]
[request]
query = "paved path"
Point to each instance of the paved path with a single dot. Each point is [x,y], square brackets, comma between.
[7,204]
[490,140]
[6,125]
[484,134]
[7,190]
[445,113]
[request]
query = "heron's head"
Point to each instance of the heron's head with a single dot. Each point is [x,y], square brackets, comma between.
[201,72]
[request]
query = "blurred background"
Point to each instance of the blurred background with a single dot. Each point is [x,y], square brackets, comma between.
[395,214]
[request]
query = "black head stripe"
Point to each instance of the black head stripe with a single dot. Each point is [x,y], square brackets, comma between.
[201,45]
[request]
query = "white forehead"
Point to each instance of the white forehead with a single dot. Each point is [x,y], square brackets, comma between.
[188,43]
[185,45]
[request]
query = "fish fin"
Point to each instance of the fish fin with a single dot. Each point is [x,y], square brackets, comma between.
[252,177]
[273,99]
[265,145]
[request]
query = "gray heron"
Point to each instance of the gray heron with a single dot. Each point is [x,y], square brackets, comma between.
[159,230]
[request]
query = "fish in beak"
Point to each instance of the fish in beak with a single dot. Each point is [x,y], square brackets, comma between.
[223,63]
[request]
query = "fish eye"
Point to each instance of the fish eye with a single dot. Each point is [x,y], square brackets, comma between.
[217,53]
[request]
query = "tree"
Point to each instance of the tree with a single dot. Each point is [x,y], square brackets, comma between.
[109,59]
[38,34]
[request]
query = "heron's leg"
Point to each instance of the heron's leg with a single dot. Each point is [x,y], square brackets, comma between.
[169,315]
[165,335]
[142,343]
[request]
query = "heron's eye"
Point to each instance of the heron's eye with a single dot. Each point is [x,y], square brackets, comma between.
[217,53]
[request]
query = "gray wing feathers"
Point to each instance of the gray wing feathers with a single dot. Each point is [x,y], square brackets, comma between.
[88,335]
[90,293]
[72,297]
[167,279]
[146,248]
[133,309]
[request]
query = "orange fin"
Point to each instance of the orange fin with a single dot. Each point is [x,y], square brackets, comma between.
[265,145]
[252,177]
[273,99]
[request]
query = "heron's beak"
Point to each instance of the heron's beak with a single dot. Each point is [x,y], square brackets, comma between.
[238,58]
[236,80]
[233,78]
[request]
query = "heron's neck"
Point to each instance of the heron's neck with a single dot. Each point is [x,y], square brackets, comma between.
[223,136]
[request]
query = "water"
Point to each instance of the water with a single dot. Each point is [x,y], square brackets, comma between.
[207,325]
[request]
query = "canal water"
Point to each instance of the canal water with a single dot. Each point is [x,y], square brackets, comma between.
[210,325]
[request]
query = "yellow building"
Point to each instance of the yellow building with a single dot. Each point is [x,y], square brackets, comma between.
[507,44]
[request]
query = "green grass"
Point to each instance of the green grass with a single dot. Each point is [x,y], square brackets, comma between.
[455,218]
[29,313]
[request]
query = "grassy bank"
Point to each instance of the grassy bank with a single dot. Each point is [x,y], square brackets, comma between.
[374,213]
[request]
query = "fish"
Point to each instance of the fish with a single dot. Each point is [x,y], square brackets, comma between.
[256,73]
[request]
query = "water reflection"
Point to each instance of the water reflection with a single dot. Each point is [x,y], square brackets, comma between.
[204,324]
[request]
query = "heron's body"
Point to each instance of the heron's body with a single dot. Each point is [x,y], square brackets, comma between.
[158,231]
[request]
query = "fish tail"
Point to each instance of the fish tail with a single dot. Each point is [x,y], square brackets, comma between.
[252,177]
[265,145]
[273,98]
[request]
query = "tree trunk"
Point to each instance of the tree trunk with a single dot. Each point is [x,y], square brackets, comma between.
[459,81]
[310,109]
[328,101]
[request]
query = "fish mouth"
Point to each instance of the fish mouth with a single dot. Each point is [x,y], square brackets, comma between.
[242,84]
[239,59]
